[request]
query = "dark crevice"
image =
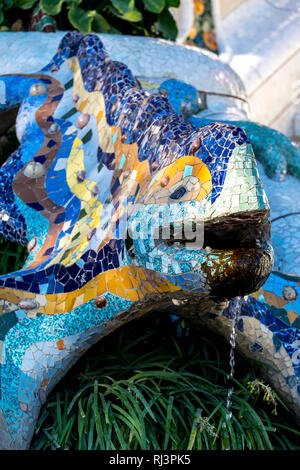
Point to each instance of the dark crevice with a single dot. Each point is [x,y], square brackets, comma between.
[12,255]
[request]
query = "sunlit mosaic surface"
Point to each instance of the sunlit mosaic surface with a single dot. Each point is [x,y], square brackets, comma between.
[100,157]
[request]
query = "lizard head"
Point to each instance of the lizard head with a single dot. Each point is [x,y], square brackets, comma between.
[207,217]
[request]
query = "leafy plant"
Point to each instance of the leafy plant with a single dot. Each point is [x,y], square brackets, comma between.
[258,387]
[4,5]
[142,17]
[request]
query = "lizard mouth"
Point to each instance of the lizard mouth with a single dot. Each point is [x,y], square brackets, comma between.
[239,253]
[240,230]
[236,256]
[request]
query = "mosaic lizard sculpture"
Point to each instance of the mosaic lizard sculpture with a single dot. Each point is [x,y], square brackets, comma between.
[101,159]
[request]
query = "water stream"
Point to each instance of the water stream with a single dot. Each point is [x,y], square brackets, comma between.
[235,309]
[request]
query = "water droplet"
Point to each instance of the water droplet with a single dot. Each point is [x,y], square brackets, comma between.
[235,309]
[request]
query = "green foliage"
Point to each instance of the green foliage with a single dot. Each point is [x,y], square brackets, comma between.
[136,17]
[144,388]
[52,7]
[4,5]
[156,6]
[24,4]
[166,24]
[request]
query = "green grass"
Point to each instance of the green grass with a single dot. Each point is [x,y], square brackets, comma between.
[142,387]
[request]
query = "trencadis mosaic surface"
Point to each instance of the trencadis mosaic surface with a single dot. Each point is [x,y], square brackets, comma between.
[103,168]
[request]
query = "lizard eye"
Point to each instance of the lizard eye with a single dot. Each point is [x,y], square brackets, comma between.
[178,193]
[38,89]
